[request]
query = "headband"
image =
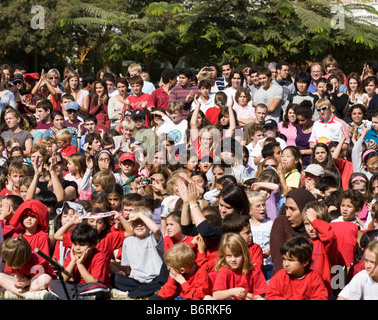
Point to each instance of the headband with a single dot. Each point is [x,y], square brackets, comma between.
[358,178]
[91,215]
[368,151]
[102,151]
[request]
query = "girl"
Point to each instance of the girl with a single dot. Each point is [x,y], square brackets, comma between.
[363,285]
[220,100]
[304,114]
[322,155]
[174,232]
[372,196]
[358,113]
[102,179]
[358,181]
[233,199]
[117,102]
[114,193]
[227,122]
[243,107]
[268,163]
[99,105]
[16,130]
[355,90]
[25,275]
[24,186]
[237,278]
[76,166]
[290,169]
[288,127]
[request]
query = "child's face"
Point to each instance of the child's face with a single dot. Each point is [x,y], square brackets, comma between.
[205,165]
[140,229]
[71,166]
[103,161]
[224,208]
[357,115]
[311,231]
[288,159]
[204,92]
[23,192]
[218,172]
[234,260]
[98,187]
[302,86]
[173,228]
[127,210]
[293,267]
[199,181]
[127,167]
[96,145]
[99,224]
[62,144]
[258,209]
[79,249]
[134,188]
[374,123]
[246,234]
[192,164]
[30,222]
[374,188]
[257,136]
[370,264]
[90,126]
[67,216]
[321,87]
[16,178]
[137,88]
[175,117]
[361,187]
[127,133]
[347,210]
[114,201]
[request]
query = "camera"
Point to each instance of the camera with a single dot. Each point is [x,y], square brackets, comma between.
[146,181]
[329,86]
[208,69]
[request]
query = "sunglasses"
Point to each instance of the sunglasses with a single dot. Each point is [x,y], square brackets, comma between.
[322,109]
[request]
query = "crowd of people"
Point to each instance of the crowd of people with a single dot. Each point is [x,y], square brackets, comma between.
[227,183]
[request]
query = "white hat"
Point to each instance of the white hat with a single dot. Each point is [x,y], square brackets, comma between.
[314,169]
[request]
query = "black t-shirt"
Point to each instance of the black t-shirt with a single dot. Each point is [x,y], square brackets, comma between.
[42,185]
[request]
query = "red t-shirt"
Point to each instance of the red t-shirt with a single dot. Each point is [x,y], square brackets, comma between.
[66,152]
[285,287]
[254,281]
[38,240]
[212,114]
[197,285]
[169,242]
[159,98]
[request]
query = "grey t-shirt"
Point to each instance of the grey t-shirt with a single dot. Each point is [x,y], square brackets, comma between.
[21,136]
[265,96]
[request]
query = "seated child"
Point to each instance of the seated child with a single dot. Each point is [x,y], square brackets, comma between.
[142,254]
[17,170]
[174,232]
[63,139]
[9,205]
[186,281]
[296,280]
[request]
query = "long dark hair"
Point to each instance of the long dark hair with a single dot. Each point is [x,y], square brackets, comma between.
[94,94]
[235,195]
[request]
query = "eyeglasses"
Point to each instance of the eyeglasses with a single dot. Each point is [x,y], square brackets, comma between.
[322,109]
[270,165]
[53,78]
[104,159]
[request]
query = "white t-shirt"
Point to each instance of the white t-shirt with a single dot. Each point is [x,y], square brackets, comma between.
[326,132]
[261,236]
[361,287]
[176,131]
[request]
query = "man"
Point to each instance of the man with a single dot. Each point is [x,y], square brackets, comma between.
[184,91]
[261,111]
[282,79]
[254,79]
[160,97]
[136,70]
[316,71]
[227,68]
[110,80]
[212,69]
[269,94]
[7,71]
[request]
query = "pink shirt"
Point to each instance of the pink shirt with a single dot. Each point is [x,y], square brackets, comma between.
[290,133]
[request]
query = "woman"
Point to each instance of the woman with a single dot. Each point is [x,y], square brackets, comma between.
[72,87]
[15,124]
[304,129]
[117,102]
[322,155]
[236,81]
[288,225]
[358,114]
[245,112]
[288,127]
[45,88]
[99,105]
[355,90]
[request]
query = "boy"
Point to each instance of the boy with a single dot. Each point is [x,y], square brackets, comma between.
[315,218]
[73,121]
[17,171]
[371,137]
[92,144]
[261,228]
[206,98]
[326,185]
[174,124]
[135,69]
[296,281]
[128,166]
[63,140]
[127,127]
[145,136]
[9,205]
[142,255]
[90,126]
[64,100]
[256,133]
[302,81]
[88,266]
[42,112]
[186,280]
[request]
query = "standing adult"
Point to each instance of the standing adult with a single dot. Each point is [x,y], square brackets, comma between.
[160,97]
[316,71]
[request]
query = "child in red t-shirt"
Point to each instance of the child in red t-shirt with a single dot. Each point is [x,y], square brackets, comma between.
[296,280]
[174,233]
[237,278]
[17,170]
[186,281]
[220,100]
[88,266]
[63,140]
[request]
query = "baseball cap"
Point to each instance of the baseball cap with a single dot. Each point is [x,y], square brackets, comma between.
[314,169]
[31,76]
[127,156]
[72,105]
[127,112]
[18,78]
[270,123]
[138,113]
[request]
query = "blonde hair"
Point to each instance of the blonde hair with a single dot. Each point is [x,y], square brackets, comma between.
[173,179]
[134,67]
[179,256]
[320,208]
[48,141]
[236,244]
[141,209]
[64,135]
[15,251]
[255,195]
[17,167]
[127,124]
[373,247]
[174,106]
[78,159]
[103,178]
[322,102]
